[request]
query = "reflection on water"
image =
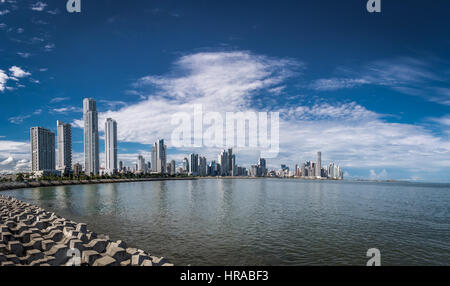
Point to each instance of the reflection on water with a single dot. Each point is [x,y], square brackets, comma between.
[264,222]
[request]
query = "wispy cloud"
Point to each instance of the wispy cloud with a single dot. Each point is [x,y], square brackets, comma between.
[59,99]
[405,75]
[38,6]
[49,47]
[21,118]
[65,110]
[24,55]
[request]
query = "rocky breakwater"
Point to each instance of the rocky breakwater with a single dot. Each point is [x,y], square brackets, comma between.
[31,236]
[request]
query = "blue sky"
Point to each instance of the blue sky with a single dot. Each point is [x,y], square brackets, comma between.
[371,91]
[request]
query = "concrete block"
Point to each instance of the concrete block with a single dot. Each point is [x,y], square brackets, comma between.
[132,251]
[13,258]
[98,245]
[47,244]
[5,237]
[55,235]
[83,237]
[118,253]
[34,255]
[138,259]
[24,236]
[35,243]
[16,247]
[159,261]
[81,228]
[106,261]
[147,263]
[89,257]
[76,244]
[59,252]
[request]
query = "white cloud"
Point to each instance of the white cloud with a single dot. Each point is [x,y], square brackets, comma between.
[14,156]
[38,6]
[4,12]
[24,55]
[17,72]
[49,47]
[3,79]
[346,133]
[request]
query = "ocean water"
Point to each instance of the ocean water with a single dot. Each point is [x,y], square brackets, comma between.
[264,221]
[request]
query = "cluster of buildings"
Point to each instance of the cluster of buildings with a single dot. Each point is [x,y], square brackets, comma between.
[314,170]
[43,156]
[225,166]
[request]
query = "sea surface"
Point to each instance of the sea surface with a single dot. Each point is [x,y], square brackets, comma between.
[263,221]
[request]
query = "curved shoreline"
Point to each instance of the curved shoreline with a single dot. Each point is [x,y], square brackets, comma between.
[10,186]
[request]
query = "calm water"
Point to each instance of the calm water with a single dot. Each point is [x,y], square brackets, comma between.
[264,222]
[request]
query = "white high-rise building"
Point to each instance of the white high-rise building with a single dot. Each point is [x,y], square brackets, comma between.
[42,150]
[319,165]
[223,160]
[91,146]
[159,164]
[141,165]
[64,147]
[111,146]
[193,165]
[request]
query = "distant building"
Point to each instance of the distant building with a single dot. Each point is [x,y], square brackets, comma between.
[91,145]
[64,147]
[110,146]
[262,167]
[202,167]
[42,150]
[141,165]
[319,165]
[186,165]
[159,152]
[223,161]
[173,166]
[193,165]
[77,169]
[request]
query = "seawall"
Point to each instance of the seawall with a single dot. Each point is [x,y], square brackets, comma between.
[6,186]
[31,236]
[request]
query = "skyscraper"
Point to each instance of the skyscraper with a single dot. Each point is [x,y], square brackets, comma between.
[159,157]
[141,166]
[154,158]
[91,147]
[64,147]
[230,162]
[111,146]
[223,162]
[262,167]
[319,165]
[173,166]
[42,149]
[193,165]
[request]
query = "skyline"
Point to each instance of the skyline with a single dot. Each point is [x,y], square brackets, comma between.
[375,100]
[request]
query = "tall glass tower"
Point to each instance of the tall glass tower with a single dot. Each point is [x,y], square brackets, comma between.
[91,147]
